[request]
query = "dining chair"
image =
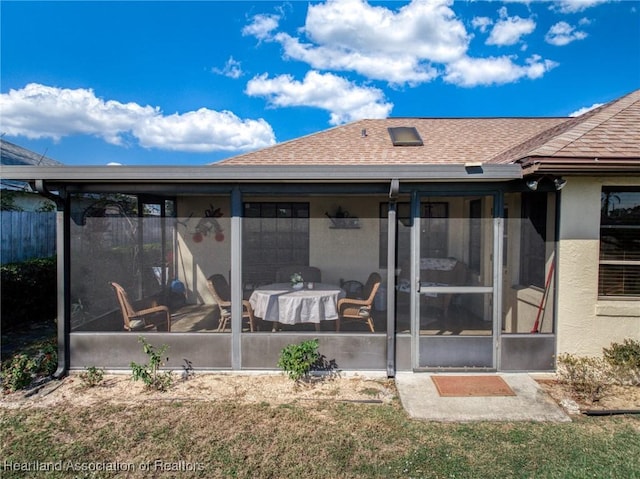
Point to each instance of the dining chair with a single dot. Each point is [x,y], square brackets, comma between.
[353,288]
[141,320]
[219,288]
[360,309]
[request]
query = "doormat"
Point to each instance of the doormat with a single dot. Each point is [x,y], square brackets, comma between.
[471,386]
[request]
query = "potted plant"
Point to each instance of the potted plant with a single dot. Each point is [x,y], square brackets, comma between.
[297,281]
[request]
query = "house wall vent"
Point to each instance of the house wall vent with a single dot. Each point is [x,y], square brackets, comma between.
[405,136]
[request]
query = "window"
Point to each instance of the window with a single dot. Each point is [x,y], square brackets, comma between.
[405,136]
[619,242]
[533,239]
[275,235]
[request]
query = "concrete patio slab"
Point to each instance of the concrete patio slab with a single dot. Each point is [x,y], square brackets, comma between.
[421,400]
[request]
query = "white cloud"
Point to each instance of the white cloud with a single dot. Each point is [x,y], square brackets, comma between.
[469,72]
[381,44]
[562,34]
[397,70]
[232,69]
[481,23]
[261,26]
[508,30]
[574,6]
[202,131]
[344,100]
[585,109]
[40,111]
[411,45]
[427,29]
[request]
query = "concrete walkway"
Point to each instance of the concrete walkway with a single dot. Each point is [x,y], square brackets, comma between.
[421,400]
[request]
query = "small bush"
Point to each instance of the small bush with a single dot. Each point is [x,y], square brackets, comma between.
[149,373]
[624,359]
[92,376]
[24,368]
[18,372]
[588,377]
[297,359]
[47,358]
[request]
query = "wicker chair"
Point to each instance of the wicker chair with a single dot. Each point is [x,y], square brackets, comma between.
[219,288]
[141,320]
[360,309]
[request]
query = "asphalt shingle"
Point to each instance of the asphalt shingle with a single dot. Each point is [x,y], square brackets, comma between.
[611,131]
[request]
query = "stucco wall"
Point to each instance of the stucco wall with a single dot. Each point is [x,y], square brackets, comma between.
[586,324]
[200,252]
[349,254]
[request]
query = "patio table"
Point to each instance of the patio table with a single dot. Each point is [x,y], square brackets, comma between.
[280,303]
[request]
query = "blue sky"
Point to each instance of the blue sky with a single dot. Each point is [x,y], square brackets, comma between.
[190,83]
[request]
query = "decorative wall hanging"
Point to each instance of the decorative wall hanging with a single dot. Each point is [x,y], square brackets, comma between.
[206,225]
[341,219]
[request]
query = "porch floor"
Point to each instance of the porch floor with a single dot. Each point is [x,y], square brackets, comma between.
[205,318]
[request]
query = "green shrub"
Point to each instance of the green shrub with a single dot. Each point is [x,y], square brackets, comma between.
[18,373]
[47,358]
[297,359]
[149,373]
[25,367]
[92,376]
[588,377]
[29,292]
[625,361]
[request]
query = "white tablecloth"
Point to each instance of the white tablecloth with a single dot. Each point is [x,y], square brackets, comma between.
[280,302]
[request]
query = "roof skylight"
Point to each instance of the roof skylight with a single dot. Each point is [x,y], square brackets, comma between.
[405,136]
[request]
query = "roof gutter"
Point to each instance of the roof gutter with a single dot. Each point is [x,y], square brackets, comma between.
[260,174]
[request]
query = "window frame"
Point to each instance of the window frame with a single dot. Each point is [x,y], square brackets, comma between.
[627,230]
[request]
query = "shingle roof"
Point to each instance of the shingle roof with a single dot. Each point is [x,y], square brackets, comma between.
[446,141]
[609,131]
[11,154]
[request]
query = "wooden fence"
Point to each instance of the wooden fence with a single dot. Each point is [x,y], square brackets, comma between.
[26,235]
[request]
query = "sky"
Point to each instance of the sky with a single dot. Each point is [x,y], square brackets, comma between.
[191,83]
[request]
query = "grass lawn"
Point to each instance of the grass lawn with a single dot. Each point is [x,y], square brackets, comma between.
[300,440]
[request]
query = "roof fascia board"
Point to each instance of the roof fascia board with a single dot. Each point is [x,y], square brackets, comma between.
[296,173]
[265,188]
[569,165]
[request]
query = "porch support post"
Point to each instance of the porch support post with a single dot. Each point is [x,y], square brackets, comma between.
[391,278]
[415,280]
[236,278]
[63,248]
[498,237]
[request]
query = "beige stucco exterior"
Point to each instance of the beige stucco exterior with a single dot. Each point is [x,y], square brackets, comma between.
[585,323]
[198,259]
